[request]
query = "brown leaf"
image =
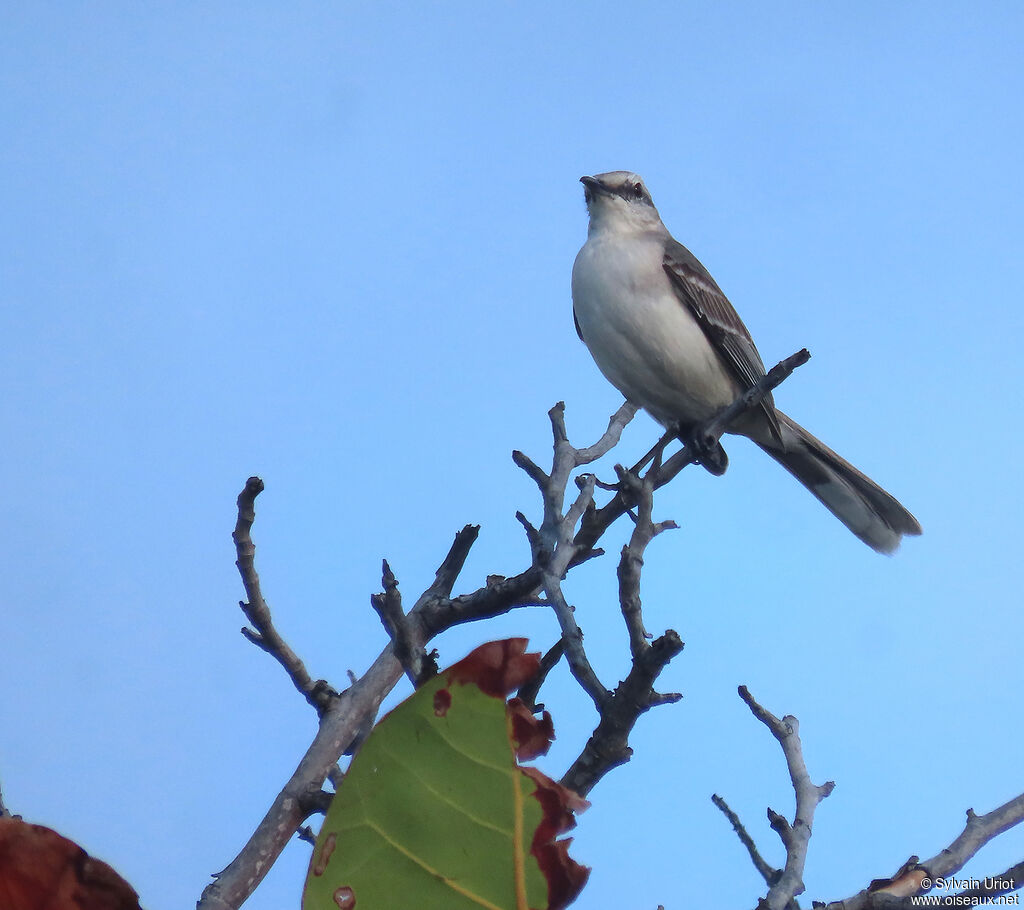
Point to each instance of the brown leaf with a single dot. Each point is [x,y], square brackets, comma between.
[497,667]
[40,870]
[564,875]
[533,735]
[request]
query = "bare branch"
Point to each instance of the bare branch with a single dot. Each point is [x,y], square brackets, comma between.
[552,546]
[529,691]
[555,547]
[451,567]
[752,397]
[608,746]
[388,605]
[572,641]
[768,873]
[318,803]
[632,558]
[978,831]
[346,715]
[794,836]
[995,886]
[336,776]
[339,725]
[915,878]
[616,424]
[318,693]
[498,595]
[528,465]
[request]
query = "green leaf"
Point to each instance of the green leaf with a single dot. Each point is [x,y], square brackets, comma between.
[435,813]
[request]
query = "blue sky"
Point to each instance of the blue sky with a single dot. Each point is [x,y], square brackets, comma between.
[330,244]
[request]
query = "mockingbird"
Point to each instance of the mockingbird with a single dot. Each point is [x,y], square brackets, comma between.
[664,334]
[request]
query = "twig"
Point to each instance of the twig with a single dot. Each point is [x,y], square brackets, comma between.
[336,776]
[388,605]
[916,878]
[994,886]
[529,690]
[554,548]
[632,557]
[572,641]
[347,713]
[978,831]
[794,836]
[608,746]
[752,397]
[318,693]
[768,872]
[451,566]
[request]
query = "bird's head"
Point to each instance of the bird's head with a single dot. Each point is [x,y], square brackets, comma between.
[619,200]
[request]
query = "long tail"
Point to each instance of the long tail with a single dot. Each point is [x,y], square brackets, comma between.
[856,500]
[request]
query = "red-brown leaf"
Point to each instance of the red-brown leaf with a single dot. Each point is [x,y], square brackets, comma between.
[41,870]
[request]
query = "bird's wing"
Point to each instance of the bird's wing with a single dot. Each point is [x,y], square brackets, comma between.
[576,323]
[699,293]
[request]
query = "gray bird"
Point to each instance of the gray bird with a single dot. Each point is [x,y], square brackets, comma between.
[664,334]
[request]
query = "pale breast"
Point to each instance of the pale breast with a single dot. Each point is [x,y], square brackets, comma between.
[643,339]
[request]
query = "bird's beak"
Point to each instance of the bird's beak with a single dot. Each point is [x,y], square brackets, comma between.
[595,185]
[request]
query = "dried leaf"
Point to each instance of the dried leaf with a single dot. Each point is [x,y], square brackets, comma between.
[41,870]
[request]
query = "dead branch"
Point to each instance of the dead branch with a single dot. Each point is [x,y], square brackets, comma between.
[767,871]
[344,714]
[417,664]
[915,878]
[796,835]
[565,538]
[608,746]
[318,693]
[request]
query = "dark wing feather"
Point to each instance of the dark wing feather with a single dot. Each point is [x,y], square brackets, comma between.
[576,323]
[721,323]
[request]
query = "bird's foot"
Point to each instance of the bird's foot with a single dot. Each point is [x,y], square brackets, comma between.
[707,450]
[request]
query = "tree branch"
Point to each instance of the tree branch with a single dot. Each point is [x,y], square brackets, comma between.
[555,547]
[347,713]
[529,690]
[995,885]
[768,872]
[915,878]
[416,663]
[608,746]
[794,836]
[631,560]
[266,636]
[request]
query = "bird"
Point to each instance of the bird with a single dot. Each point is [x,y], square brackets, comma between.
[664,334]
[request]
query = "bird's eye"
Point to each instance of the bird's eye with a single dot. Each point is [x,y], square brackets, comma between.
[638,190]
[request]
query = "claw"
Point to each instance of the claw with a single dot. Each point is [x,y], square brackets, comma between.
[707,449]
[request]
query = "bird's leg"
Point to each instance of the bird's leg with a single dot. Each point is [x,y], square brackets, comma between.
[706,448]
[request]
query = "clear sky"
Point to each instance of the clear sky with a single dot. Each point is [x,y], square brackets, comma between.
[330,244]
